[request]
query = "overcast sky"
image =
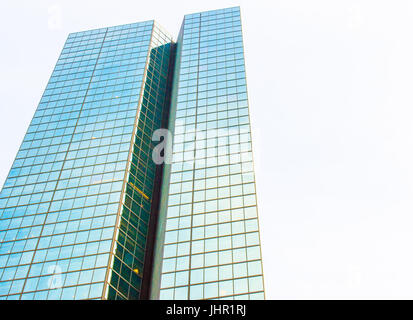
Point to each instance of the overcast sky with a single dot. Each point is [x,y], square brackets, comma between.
[330,87]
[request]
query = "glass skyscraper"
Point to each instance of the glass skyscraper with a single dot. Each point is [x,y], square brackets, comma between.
[86,212]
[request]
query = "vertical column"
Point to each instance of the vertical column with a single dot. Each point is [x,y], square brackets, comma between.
[211,245]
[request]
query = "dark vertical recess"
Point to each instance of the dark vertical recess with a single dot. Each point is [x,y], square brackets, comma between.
[156,195]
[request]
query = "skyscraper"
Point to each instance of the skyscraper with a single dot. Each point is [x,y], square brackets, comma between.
[87,212]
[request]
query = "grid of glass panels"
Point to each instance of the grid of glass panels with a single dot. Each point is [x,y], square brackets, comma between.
[211,246]
[128,262]
[59,204]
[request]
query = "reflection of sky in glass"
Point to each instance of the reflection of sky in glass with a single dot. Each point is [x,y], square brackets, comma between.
[76,205]
[211,241]
[60,201]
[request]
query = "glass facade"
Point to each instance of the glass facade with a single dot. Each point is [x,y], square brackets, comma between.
[127,267]
[76,204]
[210,236]
[83,201]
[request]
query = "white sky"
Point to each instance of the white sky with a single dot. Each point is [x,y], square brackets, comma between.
[331,96]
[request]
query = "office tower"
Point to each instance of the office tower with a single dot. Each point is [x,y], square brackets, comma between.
[77,201]
[210,231]
[86,213]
